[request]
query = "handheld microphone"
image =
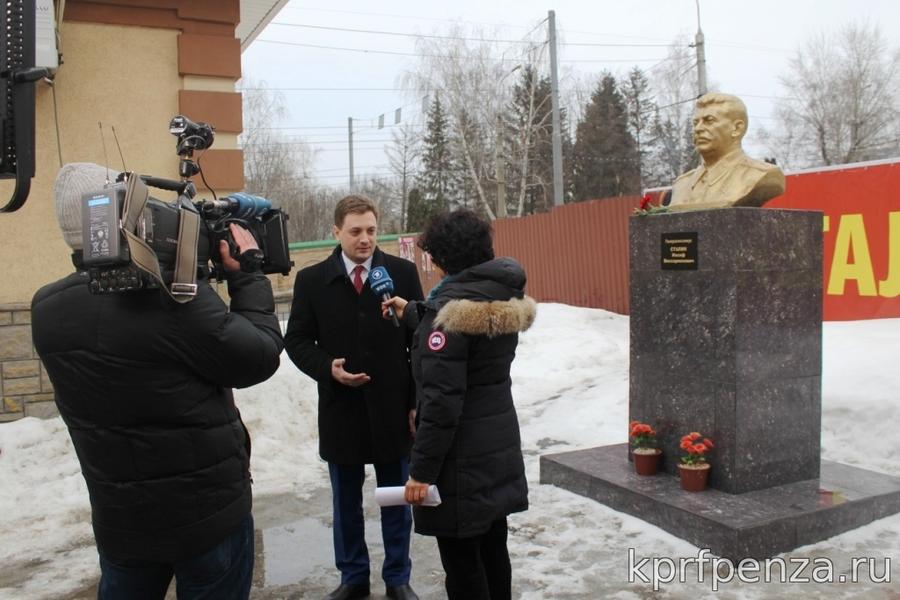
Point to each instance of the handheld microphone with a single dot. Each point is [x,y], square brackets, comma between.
[382,284]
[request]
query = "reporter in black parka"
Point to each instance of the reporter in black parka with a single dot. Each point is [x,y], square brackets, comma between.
[467,439]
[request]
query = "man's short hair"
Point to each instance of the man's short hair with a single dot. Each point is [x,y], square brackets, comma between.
[734,107]
[353,204]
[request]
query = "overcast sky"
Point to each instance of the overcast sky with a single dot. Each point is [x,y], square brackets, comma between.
[748,45]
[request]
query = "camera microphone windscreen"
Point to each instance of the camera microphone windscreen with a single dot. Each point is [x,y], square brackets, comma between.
[383,286]
[246,206]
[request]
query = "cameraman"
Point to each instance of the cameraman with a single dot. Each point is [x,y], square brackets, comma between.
[144,386]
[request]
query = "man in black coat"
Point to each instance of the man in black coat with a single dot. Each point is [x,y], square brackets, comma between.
[337,335]
[144,386]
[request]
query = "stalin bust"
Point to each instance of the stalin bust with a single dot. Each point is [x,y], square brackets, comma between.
[727,177]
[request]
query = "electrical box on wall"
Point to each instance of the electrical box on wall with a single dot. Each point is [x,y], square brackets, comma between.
[46,53]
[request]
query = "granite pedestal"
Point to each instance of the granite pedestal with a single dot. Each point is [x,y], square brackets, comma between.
[726,339]
[731,345]
[757,524]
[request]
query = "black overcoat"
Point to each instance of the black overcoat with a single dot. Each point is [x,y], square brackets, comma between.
[329,320]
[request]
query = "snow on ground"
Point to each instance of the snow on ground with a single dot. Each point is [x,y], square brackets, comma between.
[571,388]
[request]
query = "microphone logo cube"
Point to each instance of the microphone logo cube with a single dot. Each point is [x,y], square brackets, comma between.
[380,281]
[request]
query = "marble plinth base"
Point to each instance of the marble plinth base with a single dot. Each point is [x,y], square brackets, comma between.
[758,524]
[732,347]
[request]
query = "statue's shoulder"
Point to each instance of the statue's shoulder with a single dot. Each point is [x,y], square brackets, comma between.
[686,175]
[757,165]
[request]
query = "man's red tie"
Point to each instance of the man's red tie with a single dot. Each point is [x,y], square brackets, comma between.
[357,278]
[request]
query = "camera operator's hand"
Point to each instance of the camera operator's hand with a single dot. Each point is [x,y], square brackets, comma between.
[244,241]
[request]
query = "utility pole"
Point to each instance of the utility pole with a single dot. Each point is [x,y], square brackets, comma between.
[350,139]
[554,103]
[500,166]
[701,56]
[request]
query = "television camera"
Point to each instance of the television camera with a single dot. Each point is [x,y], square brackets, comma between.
[132,241]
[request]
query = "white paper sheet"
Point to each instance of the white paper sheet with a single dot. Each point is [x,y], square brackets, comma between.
[393,496]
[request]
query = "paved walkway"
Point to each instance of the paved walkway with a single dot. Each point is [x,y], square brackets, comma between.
[294,556]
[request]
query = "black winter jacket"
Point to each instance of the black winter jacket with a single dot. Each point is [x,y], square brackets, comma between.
[467,441]
[329,320]
[144,386]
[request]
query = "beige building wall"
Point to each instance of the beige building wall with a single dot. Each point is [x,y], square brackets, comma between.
[132,65]
[135,91]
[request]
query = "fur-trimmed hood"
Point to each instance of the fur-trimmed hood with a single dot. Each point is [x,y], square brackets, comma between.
[495,318]
[486,299]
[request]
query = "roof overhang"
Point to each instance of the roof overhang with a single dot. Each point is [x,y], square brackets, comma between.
[255,15]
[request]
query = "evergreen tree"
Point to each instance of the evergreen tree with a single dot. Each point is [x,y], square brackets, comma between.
[469,144]
[641,111]
[417,213]
[605,161]
[673,153]
[530,172]
[436,181]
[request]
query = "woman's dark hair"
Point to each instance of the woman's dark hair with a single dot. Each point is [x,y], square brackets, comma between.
[457,240]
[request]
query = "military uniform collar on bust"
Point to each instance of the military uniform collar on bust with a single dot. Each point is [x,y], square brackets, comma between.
[723,166]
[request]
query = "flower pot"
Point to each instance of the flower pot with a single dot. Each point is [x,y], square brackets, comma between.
[694,477]
[646,460]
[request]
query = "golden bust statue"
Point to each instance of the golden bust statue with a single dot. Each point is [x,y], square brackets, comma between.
[727,177]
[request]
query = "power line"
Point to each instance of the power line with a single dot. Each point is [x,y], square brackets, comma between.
[379,174]
[412,17]
[363,50]
[344,127]
[346,169]
[463,38]
[355,148]
[723,44]
[604,45]
[321,89]
[616,60]
[314,143]
[613,35]
[402,34]
[417,54]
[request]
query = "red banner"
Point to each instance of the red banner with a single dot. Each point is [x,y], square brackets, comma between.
[862,235]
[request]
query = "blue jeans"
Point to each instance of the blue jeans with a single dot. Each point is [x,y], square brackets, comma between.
[351,555]
[223,572]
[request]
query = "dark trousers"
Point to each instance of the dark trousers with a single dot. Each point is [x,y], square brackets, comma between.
[477,567]
[223,572]
[351,556]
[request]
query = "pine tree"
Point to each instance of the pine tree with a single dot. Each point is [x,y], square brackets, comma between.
[530,175]
[605,161]
[436,181]
[469,144]
[417,213]
[641,111]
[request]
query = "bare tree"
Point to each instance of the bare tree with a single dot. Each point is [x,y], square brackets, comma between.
[841,100]
[674,94]
[383,191]
[403,159]
[472,79]
[279,168]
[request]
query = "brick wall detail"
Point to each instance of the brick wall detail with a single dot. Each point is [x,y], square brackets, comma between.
[25,388]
